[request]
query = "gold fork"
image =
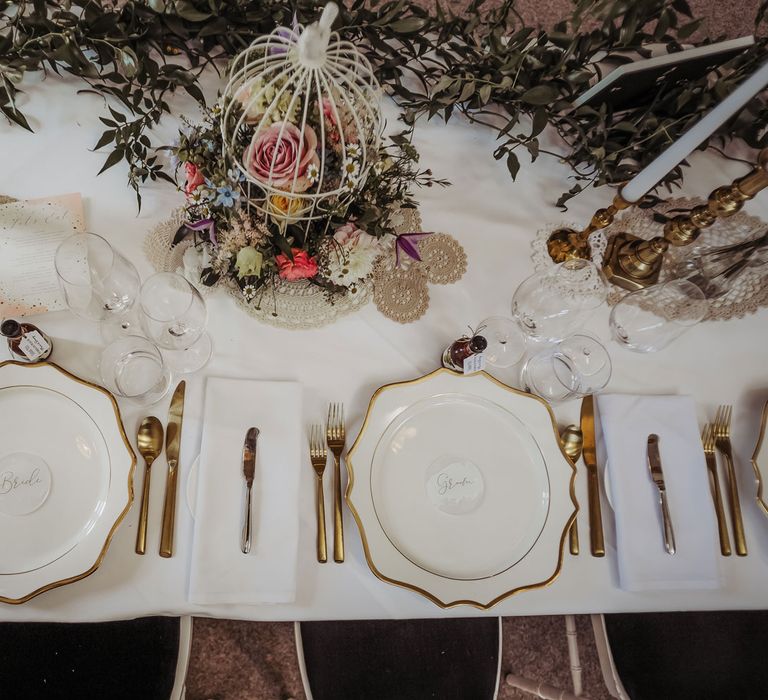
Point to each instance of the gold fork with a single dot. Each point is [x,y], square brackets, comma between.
[722,430]
[708,442]
[318,454]
[335,435]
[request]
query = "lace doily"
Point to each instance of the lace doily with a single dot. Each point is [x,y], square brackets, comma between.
[400,293]
[444,260]
[297,305]
[749,291]
[598,242]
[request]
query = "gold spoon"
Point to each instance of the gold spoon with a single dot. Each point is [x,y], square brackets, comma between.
[150,441]
[573,440]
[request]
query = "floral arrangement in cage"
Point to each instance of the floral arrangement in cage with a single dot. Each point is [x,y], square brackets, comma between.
[287,178]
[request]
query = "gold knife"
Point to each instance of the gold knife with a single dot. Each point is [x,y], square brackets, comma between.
[249,471]
[172,447]
[588,454]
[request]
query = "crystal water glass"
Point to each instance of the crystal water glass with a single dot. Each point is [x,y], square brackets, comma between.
[506,342]
[98,283]
[557,302]
[650,319]
[174,316]
[133,367]
[573,368]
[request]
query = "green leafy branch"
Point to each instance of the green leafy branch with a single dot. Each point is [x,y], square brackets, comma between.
[485,65]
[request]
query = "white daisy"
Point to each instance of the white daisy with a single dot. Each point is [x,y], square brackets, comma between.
[249,292]
[312,173]
[354,150]
[350,185]
[351,168]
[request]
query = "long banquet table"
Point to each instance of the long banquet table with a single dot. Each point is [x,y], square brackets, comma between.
[495,220]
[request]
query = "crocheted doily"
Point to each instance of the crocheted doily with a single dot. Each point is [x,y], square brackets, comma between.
[540,256]
[749,290]
[400,293]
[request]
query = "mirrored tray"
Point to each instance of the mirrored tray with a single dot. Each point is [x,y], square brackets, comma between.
[460,489]
[66,477]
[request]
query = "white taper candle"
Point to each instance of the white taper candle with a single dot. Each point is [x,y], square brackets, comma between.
[647,178]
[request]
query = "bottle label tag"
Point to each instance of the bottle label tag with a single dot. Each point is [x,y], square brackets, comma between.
[474,363]
[33,345]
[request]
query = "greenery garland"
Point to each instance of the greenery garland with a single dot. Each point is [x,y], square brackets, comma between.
[485,64]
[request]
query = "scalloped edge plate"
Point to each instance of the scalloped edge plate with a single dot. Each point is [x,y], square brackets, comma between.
[538,568]
[84,558]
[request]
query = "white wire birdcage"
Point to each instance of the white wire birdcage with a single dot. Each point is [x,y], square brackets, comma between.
[301,121]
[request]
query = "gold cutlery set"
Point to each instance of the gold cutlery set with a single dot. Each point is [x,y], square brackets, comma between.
[719,433]
[150,442]
[716,437]
[320,443]
[579,441]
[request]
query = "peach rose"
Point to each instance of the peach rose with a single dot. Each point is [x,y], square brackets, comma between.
[300,268]
[280,153]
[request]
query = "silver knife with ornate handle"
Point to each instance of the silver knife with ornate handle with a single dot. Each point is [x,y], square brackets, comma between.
[249,470]
[654,466]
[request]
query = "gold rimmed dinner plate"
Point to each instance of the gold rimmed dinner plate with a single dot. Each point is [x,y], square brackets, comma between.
[66,477]
[460,488]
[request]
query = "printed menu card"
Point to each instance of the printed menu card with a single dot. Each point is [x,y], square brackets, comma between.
[30,232]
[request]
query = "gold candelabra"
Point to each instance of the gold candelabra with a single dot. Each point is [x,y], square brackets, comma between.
[634,263]
[567,243]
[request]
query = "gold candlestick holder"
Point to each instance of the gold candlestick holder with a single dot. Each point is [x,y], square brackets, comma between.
[568,244]
[634,263]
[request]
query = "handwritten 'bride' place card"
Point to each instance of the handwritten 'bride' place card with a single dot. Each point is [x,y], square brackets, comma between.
[30,232]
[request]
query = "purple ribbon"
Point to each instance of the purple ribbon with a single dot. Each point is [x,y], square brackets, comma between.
[409,244]
[204,225]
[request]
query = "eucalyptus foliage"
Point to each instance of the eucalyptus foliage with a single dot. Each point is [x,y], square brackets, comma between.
[484,63]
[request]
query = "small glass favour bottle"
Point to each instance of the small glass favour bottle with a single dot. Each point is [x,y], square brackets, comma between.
[459,351]
[26,341]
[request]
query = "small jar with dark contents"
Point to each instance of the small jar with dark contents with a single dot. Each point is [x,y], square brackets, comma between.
[459,350]
[26,341]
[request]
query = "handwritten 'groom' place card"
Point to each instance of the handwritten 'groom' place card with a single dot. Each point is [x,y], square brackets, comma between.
[30,232]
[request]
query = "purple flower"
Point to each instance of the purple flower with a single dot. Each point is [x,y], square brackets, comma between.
[409,244]
[204,225]
[290,36]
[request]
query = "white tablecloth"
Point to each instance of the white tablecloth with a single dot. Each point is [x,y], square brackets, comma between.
[495,220]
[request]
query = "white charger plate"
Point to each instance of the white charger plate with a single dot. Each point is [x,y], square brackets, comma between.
[460,489]
[66,477]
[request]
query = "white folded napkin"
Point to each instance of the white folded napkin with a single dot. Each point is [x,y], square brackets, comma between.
[220,572]
[643,562]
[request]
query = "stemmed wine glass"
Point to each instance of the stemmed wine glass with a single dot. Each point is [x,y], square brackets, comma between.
[174,316]
[553,304]
[650,319]
[98,283]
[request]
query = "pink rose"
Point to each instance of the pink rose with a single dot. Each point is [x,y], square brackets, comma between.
[280,153]
[353,238]
[347,235]
[300,268]
[194,178]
